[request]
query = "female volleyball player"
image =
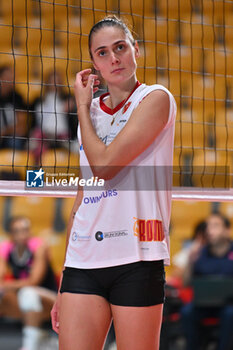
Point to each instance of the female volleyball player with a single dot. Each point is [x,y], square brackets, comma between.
[117,239]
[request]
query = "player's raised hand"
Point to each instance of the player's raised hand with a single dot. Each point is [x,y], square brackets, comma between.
[85,85]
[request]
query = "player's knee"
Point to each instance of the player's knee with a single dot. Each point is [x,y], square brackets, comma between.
[29,300]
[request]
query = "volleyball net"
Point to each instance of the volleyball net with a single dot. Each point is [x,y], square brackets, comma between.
[185,45]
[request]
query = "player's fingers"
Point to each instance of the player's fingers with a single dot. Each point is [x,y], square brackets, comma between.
[91,80]
[95,86]
[83,75]
[55,320]
[78,80]
[85,78]
[55,326]
[85,71]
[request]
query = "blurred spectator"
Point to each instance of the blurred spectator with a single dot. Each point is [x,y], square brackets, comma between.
[215,259]
[27,283]
[54,119]
[198,240]
[13,119]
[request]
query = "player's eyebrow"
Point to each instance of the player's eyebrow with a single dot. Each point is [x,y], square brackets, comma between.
[103,47]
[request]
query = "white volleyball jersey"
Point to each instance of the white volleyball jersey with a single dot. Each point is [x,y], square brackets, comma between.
[128,219]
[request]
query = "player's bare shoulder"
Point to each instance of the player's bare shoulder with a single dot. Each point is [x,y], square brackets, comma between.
[155,105]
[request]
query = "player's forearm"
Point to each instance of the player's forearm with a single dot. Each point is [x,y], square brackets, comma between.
[95,149]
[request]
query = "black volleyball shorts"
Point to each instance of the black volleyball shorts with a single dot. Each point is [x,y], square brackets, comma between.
[136,284]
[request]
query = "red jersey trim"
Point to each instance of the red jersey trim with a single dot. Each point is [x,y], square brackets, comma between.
[110,111]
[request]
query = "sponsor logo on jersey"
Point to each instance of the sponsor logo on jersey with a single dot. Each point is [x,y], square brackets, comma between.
[96,199]
[79,237]
[121,121]
[99,236]
[126,107]
[74,236]
[148,230]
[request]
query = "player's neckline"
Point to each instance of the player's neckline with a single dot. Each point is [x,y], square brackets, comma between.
[110,111]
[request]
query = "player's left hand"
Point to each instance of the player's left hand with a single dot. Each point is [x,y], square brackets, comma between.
[55,314]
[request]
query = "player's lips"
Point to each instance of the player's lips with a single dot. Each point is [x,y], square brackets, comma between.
[117,70]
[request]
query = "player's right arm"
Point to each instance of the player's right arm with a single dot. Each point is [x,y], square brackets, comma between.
[56,306]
